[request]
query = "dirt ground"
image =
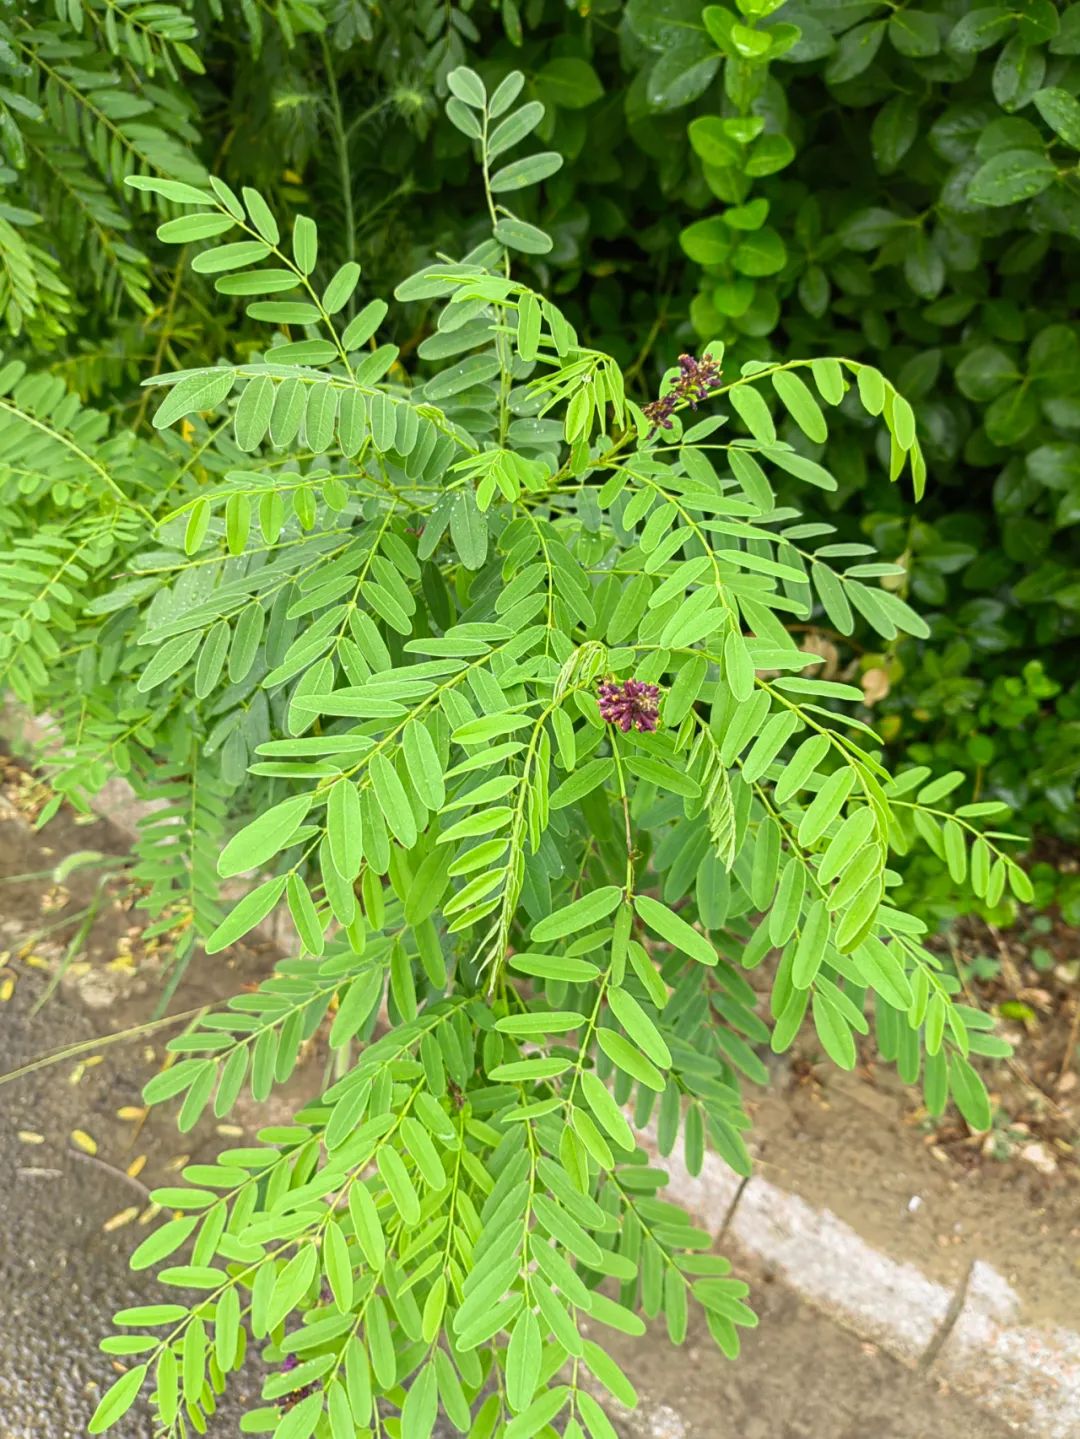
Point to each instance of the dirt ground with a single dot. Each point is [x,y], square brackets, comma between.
[799,1376]
[853,1144]
[1028,977]
[69,1217]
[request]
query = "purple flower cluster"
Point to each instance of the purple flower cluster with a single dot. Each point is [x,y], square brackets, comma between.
[629,705]
[697,379]
[292,1399]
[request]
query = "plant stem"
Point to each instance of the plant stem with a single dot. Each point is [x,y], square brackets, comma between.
[341,145]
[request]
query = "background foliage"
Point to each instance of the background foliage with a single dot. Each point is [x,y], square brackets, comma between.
[899,184]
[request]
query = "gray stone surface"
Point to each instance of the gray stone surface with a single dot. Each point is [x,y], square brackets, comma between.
[1028,1375]
[827,1262]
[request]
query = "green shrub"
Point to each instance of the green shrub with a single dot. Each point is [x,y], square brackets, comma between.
[927,219]
[497,660]
[894,184]
[293,96]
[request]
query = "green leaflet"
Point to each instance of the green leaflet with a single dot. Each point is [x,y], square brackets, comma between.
[424,767]
[607,1112]
[345,829]
[810,949]
[170,658]
[845,844]
[834,601]
[801,766]
[392,799]
[630,1060]
[523,1359]
[639,1026]
[203,391]
[826,805]
[399,1185]
[264,836]
[243,917]
[468,531]
[552,966]
[162,1242]
[581,782]
[664,775]
[291,1282]
[251,419]
[545,1022]
[800,404]
[577,916]
[834,1033]
[304,915]
[738,667]
[340,287]
[528,331]
[421,1404]
[784,914]
[969,1092]
[366,1225]
[768,745]
[674,929]
[118,1399]
[754,412]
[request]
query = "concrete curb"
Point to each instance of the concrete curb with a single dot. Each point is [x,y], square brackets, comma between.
[1029,1375]
[968,1336]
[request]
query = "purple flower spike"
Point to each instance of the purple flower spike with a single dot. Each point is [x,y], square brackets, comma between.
[660,411]
[629,705]
[295,1396]
[697,379]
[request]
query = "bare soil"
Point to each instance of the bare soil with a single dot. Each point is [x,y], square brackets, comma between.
[799,1376]
[853,1144]
[78,1155]
[928,1190]
[1028,977]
